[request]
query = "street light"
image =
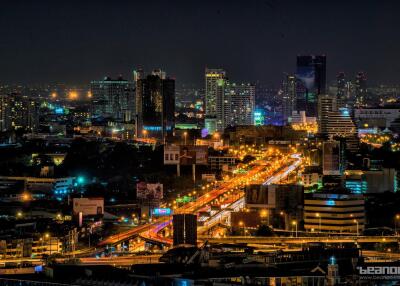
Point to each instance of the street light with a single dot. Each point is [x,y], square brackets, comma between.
[397,218]
[264,214]
[241,224]
[356,221]
[185,136]
[319,216]
[295,224]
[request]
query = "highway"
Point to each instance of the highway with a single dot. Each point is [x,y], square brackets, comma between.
[279,169]
[120,260]
[259,172]
[300,240]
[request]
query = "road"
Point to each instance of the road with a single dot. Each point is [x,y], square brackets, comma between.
[121,260]
[260,172]
[300,240]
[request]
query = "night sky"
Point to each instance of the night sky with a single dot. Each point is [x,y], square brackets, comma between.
[78,41]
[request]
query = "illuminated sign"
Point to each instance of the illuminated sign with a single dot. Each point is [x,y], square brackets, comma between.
[258,118]
[213,75]
[162,212]
[185,199]
[330,203]
[156,128]
[59,110]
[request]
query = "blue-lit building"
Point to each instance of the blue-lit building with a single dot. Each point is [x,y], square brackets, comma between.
[258,117]
[311,75]
[356,182]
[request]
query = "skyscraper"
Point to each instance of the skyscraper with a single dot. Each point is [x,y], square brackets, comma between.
[360,89]
[311,72]
[288,97]
[239,101]
[341,90]
[5,113]
[114,98]
[332,158]
[214,79]
[22,112]
[155,105]
[326,104]
[341,125]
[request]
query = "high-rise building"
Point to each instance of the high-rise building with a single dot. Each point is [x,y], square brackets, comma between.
[185,229]
[18,111]
[341,125]
[360,89]
[332,158]
[155,105]
[288,97]
[5,113]
[311,73]
[326,104]
[214,79]
[341,93]
[113,98]
[236,105]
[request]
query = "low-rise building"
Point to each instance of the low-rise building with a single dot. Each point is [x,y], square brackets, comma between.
[334,212]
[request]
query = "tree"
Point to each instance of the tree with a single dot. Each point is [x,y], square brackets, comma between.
[264,230]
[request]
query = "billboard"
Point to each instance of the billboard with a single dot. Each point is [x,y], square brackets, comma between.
[161,212]
[88,206]
[185,155]
[147,191]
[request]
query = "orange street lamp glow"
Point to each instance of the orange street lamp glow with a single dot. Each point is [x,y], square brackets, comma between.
[73,95]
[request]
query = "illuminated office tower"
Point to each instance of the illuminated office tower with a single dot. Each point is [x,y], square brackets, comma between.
[113,98]
[138,74]
[326,104]
[238,104]
[5,116]
[214,79]
[360,89]
[23,112]
[155,105]
[288,97]
[311,73]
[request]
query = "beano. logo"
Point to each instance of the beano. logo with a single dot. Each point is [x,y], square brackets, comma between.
[379,270]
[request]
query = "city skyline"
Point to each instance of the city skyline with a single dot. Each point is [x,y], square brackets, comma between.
[76,42]
[201,143]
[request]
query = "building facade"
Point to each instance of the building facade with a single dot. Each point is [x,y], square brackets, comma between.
[185,229]
[334,212]
[18,112]
[236,106]
[326,105]
[155,105]
[113,98]
[311,73]
[288,97]
[214,79]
